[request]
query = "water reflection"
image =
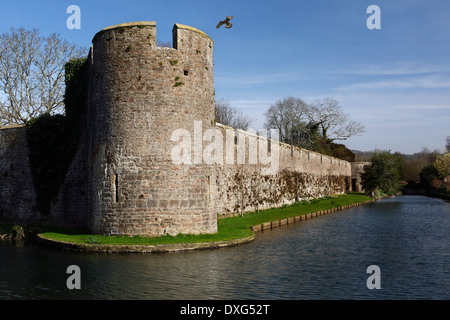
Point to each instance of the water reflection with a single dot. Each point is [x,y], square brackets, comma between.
[322,258]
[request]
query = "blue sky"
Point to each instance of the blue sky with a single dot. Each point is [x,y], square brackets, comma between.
[394,80]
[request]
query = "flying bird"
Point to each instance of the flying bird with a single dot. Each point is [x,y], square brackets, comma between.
[227,23]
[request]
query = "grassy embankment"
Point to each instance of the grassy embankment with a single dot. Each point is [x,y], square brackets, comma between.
[228,228]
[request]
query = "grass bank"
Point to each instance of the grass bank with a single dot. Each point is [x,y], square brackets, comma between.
[231,228]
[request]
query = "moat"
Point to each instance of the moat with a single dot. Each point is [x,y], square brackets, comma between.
[323,258]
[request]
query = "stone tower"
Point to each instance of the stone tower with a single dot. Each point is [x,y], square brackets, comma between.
[139,94]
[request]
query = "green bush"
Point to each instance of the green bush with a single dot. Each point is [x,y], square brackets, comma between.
[384,173]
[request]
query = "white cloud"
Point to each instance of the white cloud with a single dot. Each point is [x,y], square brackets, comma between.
[429,82]
[252,104]
[399,68]
[425,107]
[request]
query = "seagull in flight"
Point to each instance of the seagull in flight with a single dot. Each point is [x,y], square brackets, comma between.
[227,23]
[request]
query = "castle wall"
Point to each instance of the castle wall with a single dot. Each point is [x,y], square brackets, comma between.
[17,192]
[357,169]
[17,195]
[146,162]
[70,207]
[254,184]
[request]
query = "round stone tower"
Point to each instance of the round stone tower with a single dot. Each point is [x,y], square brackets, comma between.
[140,94]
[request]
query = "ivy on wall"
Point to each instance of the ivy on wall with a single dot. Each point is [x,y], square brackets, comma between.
[53,139]
[75,97]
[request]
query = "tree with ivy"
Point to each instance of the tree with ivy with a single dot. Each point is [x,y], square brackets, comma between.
[314,126]
[32,74]
[334,123]
[383,174]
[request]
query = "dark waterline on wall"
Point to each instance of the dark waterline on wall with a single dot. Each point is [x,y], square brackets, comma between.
[326,257]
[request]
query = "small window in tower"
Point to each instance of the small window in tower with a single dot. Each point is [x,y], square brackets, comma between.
[116,187]
[186,72]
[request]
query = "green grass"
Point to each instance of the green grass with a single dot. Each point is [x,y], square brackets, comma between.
[228,228]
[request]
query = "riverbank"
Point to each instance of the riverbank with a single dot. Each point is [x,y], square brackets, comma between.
[231,231]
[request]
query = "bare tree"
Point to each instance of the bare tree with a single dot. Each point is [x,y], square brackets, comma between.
[290,117]
[32,74]
[230,116]
[334,123]
[447,144]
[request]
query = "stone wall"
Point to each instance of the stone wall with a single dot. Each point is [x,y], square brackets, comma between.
[268,181]
[357,169]
[17,195]
[70,207]
[17,192]
[147,105]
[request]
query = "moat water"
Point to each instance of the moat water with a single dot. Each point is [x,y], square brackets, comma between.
[327,257]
